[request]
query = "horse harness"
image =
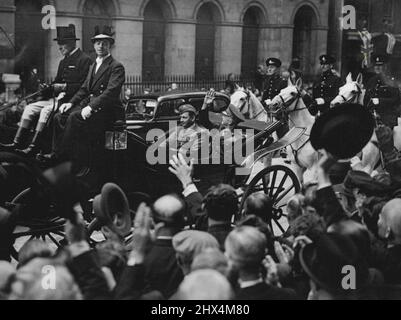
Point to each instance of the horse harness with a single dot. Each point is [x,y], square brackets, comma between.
[295,99]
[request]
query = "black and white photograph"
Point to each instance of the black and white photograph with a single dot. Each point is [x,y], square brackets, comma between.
[199,156]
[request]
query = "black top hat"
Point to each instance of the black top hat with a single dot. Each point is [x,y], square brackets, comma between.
[273,62]
[327,59]
[66,33]
[343,130]
[111,208]
[325,259]
[379,59]
[106,34]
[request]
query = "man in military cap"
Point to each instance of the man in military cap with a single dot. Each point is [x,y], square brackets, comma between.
[381,95]
[71,73]
[188,136]
[272,86]
[326,88]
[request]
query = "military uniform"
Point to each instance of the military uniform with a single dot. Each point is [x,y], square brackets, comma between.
[271,88]
[388,106]
[326,88]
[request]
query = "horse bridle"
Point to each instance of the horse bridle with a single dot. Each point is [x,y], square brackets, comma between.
[296,99]
[355,98]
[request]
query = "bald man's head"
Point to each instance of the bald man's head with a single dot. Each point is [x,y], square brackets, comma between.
[170,210]
[390,220]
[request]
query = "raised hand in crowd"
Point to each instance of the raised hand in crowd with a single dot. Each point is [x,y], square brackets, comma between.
[182,170]
[208,98]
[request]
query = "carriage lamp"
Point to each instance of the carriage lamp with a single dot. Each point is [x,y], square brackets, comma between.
[117,139]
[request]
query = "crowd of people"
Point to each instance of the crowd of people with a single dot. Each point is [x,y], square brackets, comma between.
[343,239]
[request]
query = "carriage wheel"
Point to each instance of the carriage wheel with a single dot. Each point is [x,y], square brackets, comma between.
[50,230]
[279,183]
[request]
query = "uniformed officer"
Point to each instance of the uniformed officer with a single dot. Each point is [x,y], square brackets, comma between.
[71,74]
[381,95]
[326,88]
[273,85]
[188,136]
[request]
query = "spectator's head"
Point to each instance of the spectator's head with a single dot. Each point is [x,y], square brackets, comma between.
[309,191]
[245,248]
[174,86]
[7,270]
[221,203]
[188,244]
[260,205]
[211,258]
[357,232]
[169,210]
[308,224]
[263,227]
[328,262]
[34,249]
[205,285]
[295,207]
[128,92]
[30,279]
[389,224]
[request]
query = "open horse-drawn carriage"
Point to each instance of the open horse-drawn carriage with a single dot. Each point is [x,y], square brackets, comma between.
[130,168]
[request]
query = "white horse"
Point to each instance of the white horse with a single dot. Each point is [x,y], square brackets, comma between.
[246,103]
[302,155]
[370,158]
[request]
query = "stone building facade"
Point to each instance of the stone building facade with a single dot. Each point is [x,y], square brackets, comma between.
[156,38]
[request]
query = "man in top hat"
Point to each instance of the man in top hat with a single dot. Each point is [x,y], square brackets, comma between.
[96,105]
[188,136]
[326,88]
[272,86]
[381,95]
[71,73]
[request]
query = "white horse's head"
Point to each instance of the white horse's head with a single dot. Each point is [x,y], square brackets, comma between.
[245,102]
[351,92]
[240,98]
[287,97]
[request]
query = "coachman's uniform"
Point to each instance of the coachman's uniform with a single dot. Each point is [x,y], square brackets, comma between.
[83,140]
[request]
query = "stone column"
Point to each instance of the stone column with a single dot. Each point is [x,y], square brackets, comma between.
[335,34]
[7,23]
[287,33]
[128,46]
[320,45]
[228,49]
[179,57]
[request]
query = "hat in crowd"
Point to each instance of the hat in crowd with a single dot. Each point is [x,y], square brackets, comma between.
[325,259]
[106,34]
[111,208]
[187,108]
[327,59]
[379,59]
[210,258]
[273,62]
[343,130]
[367,185]
[66,33]
[192,242]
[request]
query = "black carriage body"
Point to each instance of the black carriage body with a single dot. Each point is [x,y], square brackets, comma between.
[160,111]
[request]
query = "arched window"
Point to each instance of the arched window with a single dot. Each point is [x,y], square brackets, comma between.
[207,18]
[30,38]
[304,45]
[250,42]
[154,31]
[96,13]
